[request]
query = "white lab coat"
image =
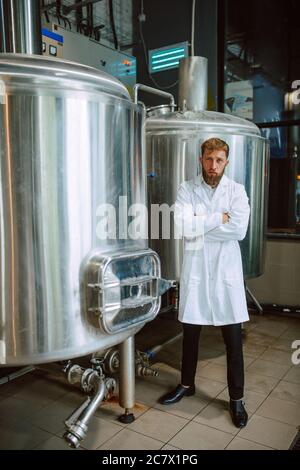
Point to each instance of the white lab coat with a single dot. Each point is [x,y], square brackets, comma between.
[211,285]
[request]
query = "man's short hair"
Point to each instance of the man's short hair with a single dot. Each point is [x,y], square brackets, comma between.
[214,144]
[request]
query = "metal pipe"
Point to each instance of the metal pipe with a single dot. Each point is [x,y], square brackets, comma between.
[45,11]
[155,91]
[156,349]
[2,27]
[127,374]
[77,423]
[20,27]
[256,302]
[112,22]
[78,15]
[15,375]
[193,28]
[90,18]
[90,381]
[193,84]
[58,8]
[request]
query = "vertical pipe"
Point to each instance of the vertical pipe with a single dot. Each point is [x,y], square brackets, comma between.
[221,45]
[90,19]
[112,22]
[78,16]
[193,84]
[193,29]
[2,28]
[20,26]
[127,374]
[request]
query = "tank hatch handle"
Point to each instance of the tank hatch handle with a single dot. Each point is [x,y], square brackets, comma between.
[132,292]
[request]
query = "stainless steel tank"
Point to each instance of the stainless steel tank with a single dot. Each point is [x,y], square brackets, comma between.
[173,146]
[70,141]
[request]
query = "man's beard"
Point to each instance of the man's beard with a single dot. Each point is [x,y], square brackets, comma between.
[212,180]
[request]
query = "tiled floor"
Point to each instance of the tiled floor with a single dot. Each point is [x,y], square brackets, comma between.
[32,408]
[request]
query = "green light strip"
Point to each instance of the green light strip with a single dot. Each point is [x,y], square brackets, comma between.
[165,65]
[167,59]
[161,54]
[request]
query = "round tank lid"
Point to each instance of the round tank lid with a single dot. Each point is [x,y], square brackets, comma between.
[211,120]
[159,110]
[45,70]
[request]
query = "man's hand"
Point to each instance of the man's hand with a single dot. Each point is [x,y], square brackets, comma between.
[226,218]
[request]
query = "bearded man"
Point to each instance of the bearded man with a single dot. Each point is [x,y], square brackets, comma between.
[211,285]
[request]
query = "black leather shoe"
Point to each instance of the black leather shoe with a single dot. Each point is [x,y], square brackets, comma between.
[238,413]
[175,395]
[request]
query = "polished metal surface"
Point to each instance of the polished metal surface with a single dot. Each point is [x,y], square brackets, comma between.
[127,374]
[20,26]
[155,91]
[159,110]
[122,288]
[192,91]
[70,140]
[77,423]
[173,150]
[56,78]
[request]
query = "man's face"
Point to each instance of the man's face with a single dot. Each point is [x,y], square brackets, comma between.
[213,166]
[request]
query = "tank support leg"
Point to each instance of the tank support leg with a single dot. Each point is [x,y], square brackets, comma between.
[127,379]
[256,302]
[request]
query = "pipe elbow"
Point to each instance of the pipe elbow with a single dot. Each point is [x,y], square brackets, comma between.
[77,423]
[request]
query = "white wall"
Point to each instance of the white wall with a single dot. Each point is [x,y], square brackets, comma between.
[280,284]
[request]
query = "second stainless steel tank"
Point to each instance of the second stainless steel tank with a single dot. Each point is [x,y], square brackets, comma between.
[173,146]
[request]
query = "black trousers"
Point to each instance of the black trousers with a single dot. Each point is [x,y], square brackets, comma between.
[232,335]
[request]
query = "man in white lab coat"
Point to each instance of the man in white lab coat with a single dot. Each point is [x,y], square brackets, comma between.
[213,213]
